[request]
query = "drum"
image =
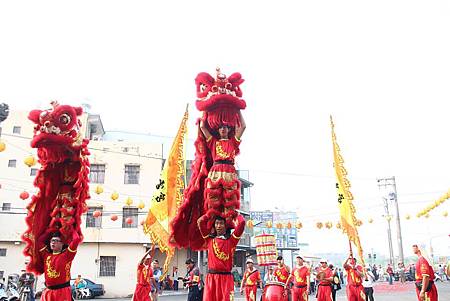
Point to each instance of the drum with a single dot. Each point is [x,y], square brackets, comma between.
[274,291]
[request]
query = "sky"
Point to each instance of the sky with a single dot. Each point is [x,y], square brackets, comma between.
[380,68]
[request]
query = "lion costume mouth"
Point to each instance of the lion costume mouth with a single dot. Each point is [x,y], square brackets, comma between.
[213,93]
[58,126]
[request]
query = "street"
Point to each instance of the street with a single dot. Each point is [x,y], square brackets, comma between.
[383,292]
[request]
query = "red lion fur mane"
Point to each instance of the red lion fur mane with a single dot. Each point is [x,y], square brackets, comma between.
[62,180]
[220,98]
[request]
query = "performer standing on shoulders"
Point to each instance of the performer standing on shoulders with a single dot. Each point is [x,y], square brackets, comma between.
[355,274]
[219,284]
[300,276]
[325,278]
[144,278]
[425,288]
[57,264]
[251,279]
[222,191]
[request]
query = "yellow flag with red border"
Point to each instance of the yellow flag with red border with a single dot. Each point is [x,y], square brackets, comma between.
[347,210]
[168,195]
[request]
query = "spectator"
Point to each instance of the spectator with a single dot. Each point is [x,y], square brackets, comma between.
[341,276]
[175,278]
[375,272]
[381,273]
[401,272]
[390,273]
[27,280]
[269,275]
[156,275]
[441,272]
[368,284]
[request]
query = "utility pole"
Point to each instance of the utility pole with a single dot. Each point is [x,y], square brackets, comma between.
[390,182]
[389,231]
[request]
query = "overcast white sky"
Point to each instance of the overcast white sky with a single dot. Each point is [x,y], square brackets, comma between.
[381,68]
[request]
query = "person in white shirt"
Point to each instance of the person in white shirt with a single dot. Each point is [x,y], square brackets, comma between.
[368,284]
[268,275]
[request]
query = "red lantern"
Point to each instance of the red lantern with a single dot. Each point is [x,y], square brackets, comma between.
[129,220]
[24,195]
[96,213]
[114,217]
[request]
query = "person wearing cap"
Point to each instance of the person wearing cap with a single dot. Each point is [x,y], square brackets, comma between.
[192,281]
[355,275]
[144,279]
[325,277]
[219,284]
[300,278]
[57,262]
[425,288]
[250,280]
[282,271]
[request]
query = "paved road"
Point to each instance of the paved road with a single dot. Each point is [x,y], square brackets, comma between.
[383,292]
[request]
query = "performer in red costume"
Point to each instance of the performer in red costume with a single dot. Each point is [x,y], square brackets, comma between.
[425,288]
[222,192]
[355,274]
[219,284]
[281,272]
[144,279]
[62,179]
[57,263]
[214,188]
[250,280]
[325,277]
[300,278]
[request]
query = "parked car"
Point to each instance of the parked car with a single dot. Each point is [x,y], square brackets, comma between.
[93,290]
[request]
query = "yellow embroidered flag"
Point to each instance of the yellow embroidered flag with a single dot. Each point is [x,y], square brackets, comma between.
[345,198]
[168,195]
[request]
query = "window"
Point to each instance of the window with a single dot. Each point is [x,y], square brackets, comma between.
[132,174]
[12,163]
[97,173]
[6,207]
[2,274]
[107,266]
[130,213]
[2,252]
[33,171]
[91,221]
[16,130]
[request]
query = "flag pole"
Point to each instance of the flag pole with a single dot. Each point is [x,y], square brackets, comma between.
[350,245]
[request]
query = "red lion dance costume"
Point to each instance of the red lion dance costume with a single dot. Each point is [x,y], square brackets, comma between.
[214,188]
[62,180]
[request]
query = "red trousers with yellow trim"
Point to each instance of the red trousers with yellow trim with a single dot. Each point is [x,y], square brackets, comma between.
[142,292]
[324,293]
[432,295]
[355,293]
[218,287]
[61,294]
[299,293]
[250,292]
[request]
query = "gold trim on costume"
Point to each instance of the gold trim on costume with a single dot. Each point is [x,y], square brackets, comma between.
[219,253]
[51,273]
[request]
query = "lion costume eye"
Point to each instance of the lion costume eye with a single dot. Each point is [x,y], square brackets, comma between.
[64,119]
[202,87]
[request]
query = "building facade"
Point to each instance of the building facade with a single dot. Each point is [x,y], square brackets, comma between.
[112,247]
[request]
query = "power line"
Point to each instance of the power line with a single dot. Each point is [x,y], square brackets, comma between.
[90,148]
